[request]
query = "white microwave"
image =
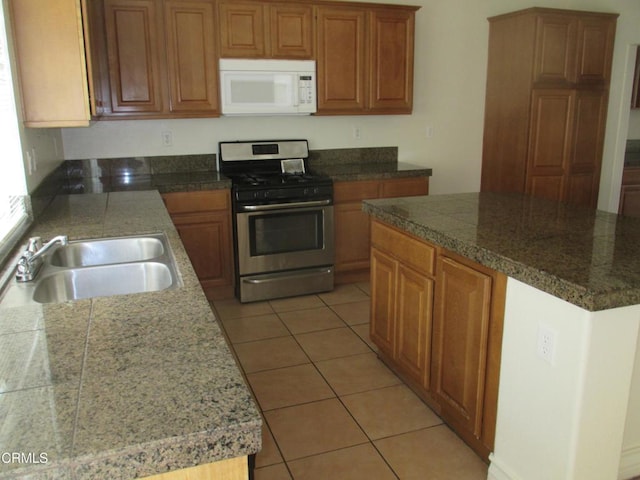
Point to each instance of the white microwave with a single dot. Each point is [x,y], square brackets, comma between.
[268,87]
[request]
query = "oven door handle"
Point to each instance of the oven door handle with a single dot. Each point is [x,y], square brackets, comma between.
[281,206]
[259,281]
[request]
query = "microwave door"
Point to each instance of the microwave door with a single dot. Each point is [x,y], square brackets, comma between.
[259,93]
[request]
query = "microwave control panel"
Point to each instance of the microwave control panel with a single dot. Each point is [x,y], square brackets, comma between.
[305,87]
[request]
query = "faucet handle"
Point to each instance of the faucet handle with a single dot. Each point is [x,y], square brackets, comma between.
[35,244]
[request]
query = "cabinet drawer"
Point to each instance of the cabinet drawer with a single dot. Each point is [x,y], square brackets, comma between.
[355,191]
[409,250]
[404,187]
[631,175]
[186,202]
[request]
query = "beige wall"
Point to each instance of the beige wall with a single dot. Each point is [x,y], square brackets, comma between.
[450,70]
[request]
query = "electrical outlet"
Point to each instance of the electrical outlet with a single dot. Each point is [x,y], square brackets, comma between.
[167,139]
[429,131]
[547,344]
[357,133]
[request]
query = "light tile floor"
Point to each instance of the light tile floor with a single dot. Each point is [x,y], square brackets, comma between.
[332,410]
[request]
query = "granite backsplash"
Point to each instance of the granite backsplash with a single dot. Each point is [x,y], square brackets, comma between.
[171,173]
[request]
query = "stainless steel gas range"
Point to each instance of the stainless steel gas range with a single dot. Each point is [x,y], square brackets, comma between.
[283,219]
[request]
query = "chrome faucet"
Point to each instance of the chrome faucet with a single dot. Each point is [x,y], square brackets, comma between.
[31,259]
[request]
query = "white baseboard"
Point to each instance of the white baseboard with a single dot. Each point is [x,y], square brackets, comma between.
[629,463]
[499,471]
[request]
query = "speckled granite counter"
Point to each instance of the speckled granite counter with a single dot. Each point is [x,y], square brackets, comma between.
[125,386]
[586,257]
[352,164]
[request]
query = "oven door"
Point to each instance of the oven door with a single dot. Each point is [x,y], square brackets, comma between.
[273,238]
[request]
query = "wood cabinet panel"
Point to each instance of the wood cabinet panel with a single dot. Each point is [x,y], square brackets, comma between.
[594,50]
[460,334]
[392,34]
[351,237]
[544,135]
[352,226]
[383,295]
[341,72]
[134,43]
[372,71]
[191,55]
[411,251]
[51,63]
[203,220]
[555,47]
[291,31]
[444,336]
[413,315]
[404,187]
[242,29]
[630,192]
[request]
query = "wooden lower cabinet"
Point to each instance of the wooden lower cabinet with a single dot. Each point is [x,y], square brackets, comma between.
[437,320]
[352,234]
[203,220]
[630,192]
[230,469]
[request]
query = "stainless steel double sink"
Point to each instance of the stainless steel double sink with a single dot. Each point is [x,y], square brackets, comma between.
[98,268]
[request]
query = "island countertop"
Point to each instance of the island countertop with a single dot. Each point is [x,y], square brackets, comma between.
[589,258]
[125,386]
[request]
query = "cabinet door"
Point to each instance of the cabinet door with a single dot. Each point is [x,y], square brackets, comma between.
[414,306]
[392,35]
[191,55]
[51,62]
[291,31]
[242,29]
[383,294]
[549,142]
[404,187]
[352,231]
[134,42]
[555,49]
[206,239]
[460,341]
[585,159]
[341,56]
[594,54]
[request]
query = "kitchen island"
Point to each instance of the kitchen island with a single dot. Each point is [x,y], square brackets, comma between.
[125,386]
[573,274]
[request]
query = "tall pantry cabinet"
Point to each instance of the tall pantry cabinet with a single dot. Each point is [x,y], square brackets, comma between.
[546,103]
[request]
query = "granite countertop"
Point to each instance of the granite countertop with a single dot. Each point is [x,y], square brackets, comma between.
[125,386]
[589,258]
[348,172]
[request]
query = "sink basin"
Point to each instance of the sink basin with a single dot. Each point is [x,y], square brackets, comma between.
[108,251]
[102,281]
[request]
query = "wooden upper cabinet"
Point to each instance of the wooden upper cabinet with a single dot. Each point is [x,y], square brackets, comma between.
[372,71]
[545,112]
[594,50]
[263,30]
[573,49]
[342,59]
[48,38]
[156,58]
[191,55]
[242,29]
[392,35]
[134,46]
[291,31]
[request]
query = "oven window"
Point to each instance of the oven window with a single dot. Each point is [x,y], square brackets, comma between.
[285,232]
